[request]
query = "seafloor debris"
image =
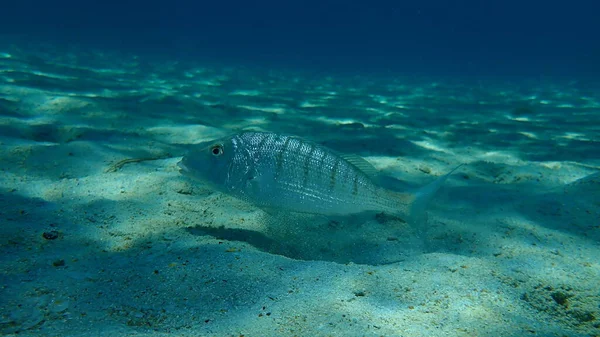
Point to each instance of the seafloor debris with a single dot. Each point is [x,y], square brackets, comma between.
[118,165]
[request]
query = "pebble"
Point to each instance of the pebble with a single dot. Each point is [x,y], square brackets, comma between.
[50,235]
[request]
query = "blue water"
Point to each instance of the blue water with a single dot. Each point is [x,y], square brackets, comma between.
[100,234]
[458,38]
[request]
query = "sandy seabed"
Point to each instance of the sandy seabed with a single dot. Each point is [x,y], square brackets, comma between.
[101,235]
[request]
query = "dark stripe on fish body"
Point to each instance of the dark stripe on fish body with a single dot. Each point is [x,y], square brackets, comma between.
[334,170]
[355,188]
[322,160]
[280,155]
[307,163]
[262,142]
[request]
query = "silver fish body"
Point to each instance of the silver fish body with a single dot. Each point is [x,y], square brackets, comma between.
[288,173]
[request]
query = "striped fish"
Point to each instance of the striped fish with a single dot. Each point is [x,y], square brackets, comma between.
[288,173]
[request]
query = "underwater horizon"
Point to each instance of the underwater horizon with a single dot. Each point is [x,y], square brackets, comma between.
[299,169]
[435,38]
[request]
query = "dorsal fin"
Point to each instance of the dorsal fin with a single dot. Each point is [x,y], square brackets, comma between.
[361,164]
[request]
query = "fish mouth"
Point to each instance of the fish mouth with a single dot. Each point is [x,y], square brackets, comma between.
[182,167]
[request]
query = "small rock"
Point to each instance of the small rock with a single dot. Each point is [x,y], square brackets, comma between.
[561,297]
[50,235]
[425,169]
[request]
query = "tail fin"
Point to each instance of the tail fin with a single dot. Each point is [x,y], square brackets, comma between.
[424,195]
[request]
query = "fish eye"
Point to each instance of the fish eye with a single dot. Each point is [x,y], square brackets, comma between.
[216,150]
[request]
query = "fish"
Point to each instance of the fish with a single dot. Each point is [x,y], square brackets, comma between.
[291,174]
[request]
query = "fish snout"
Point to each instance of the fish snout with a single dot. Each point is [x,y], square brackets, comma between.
[182,166]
